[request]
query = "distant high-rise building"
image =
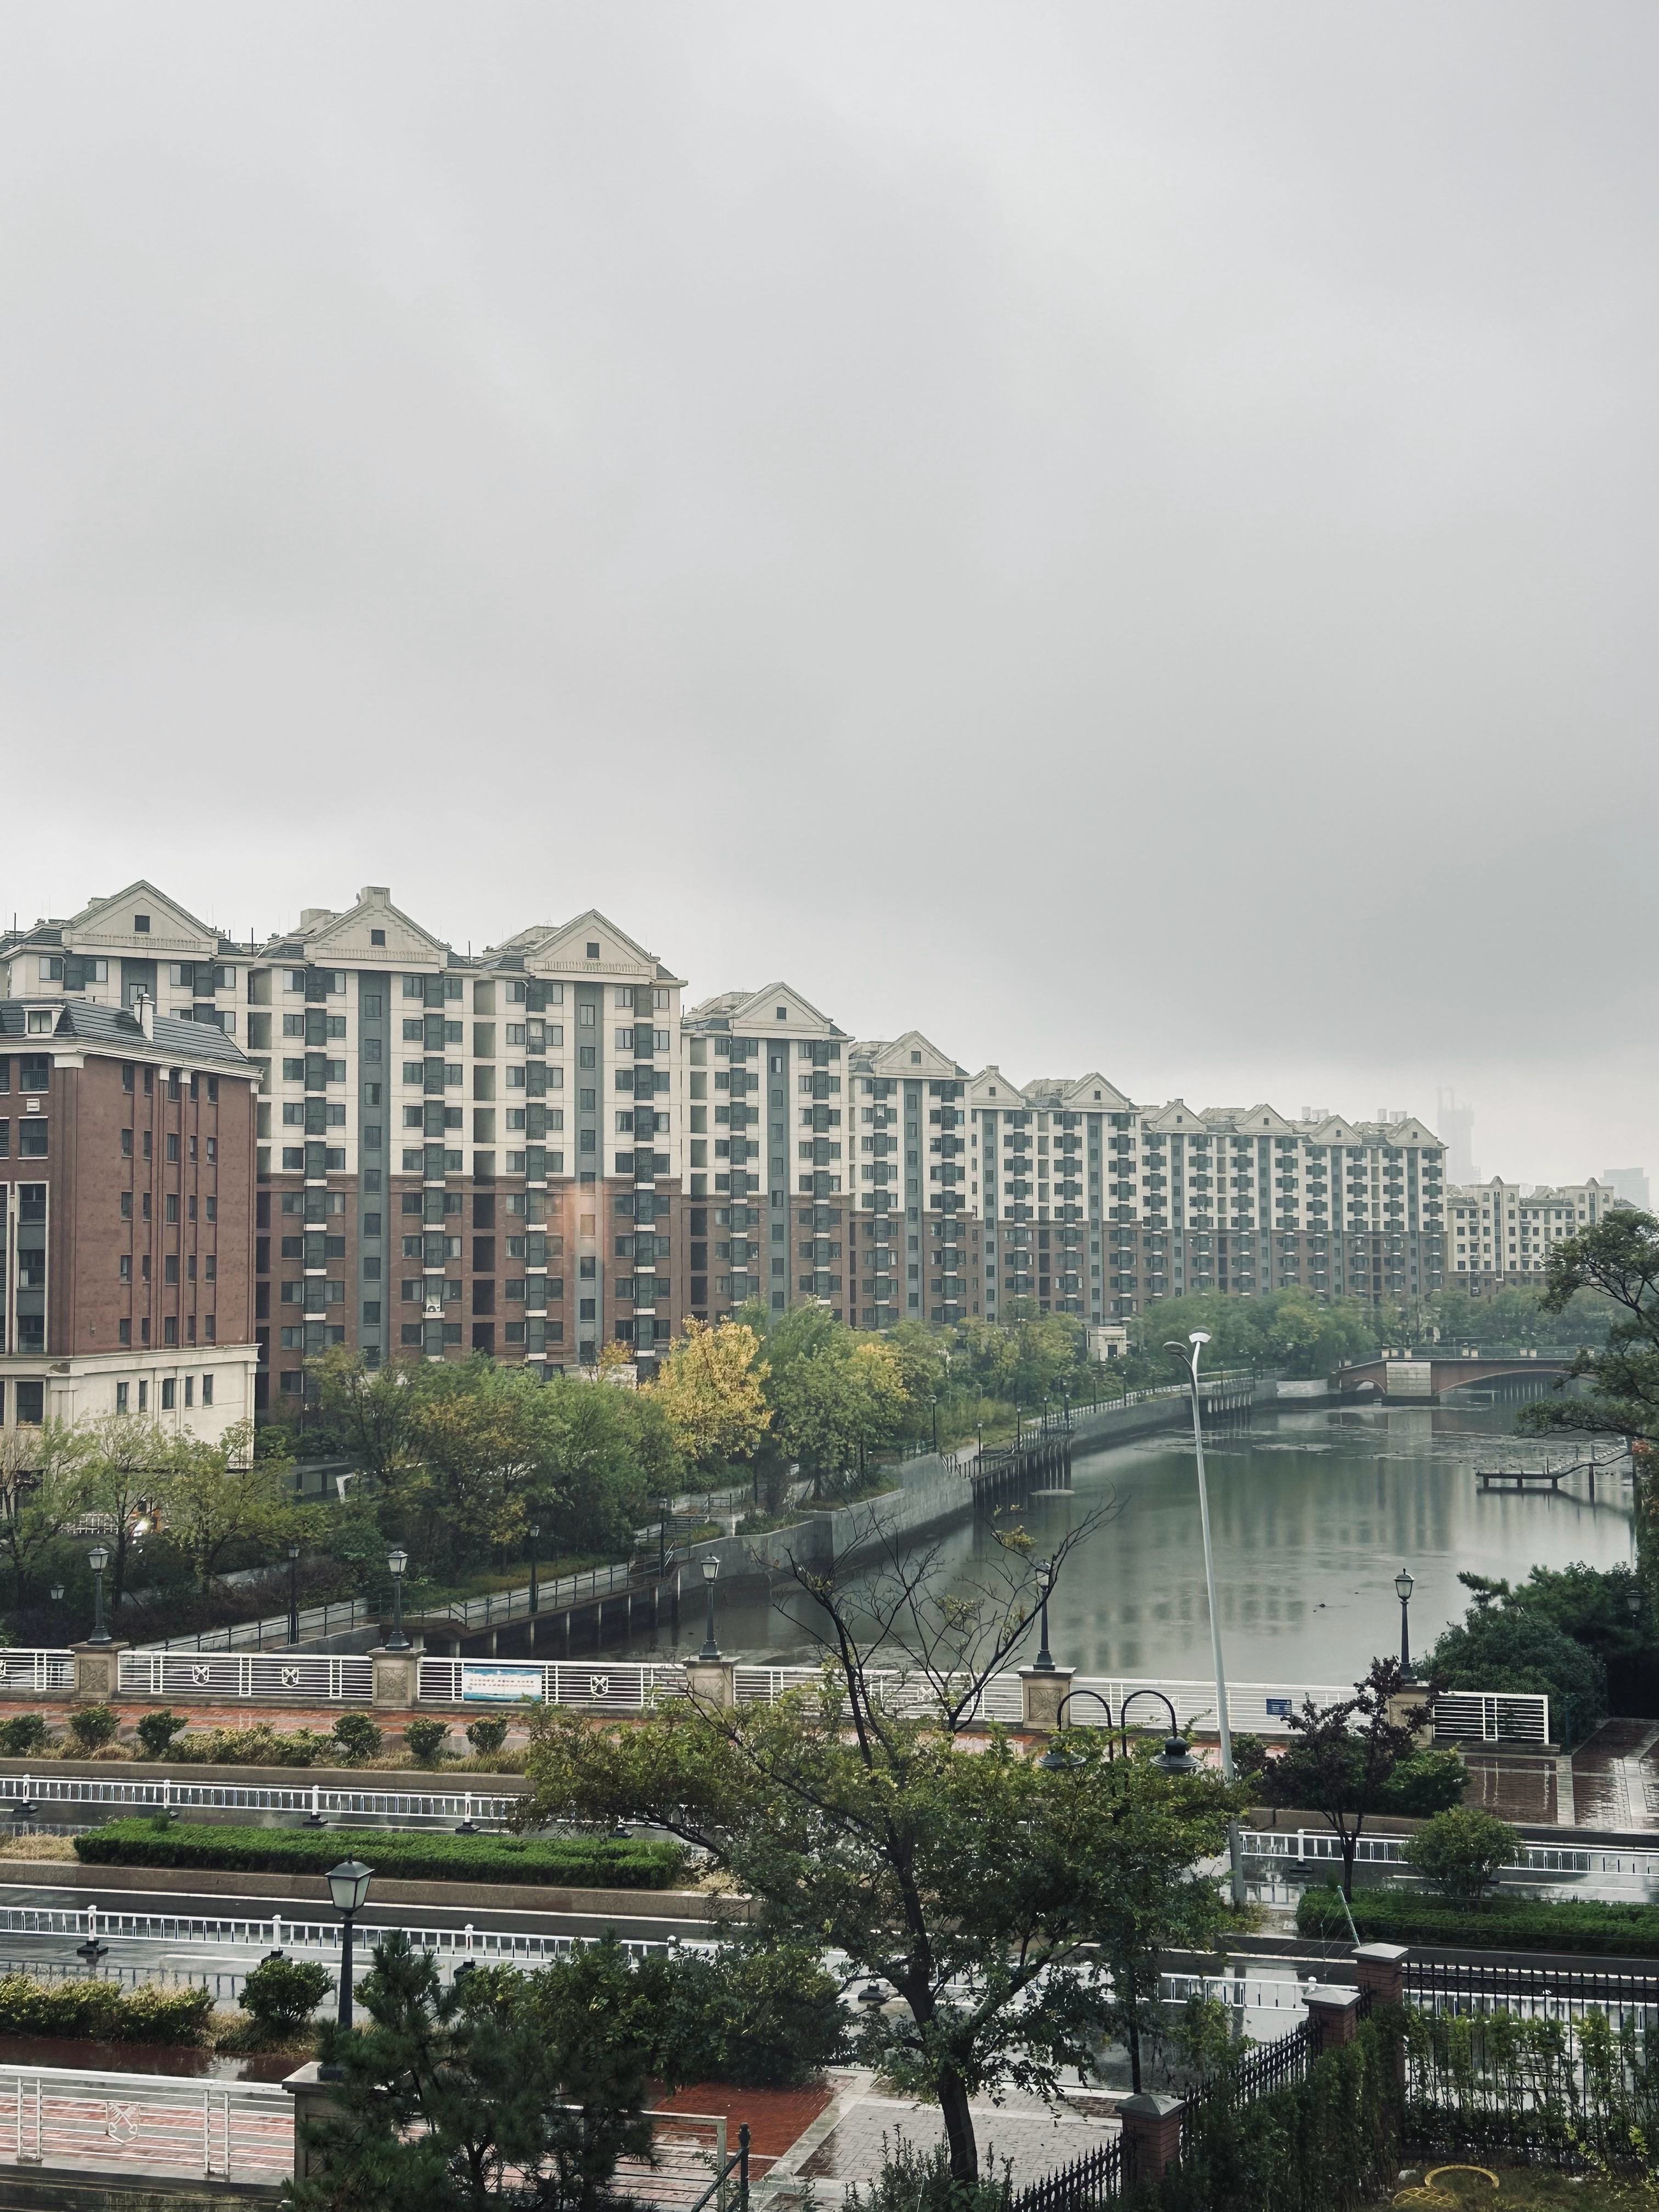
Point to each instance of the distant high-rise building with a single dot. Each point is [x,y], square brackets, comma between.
[1456,1127]
[1630,1183]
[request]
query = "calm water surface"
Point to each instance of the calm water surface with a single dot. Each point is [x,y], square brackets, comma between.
[1312,1513]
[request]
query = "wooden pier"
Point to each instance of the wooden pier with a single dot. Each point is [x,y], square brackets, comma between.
[1551,1476]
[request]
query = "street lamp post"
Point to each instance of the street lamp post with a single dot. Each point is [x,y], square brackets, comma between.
[535,1594]
[98,1559]
[1045,1574]
[293,1593]
[396,1559]
[347,1885]
[664,1506]
[1403,1586]
[711,1568]
[935,1407]
[1197,1340]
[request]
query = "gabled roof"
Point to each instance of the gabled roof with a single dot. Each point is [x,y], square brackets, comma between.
[1093,1093]
[560,949]
[1262,1120]
[105,925]
[344,937]
[915,1055]
[760,1010]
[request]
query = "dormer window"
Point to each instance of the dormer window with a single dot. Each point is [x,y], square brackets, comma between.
[783,1013]
[593,952]
[141,925]
[377,937]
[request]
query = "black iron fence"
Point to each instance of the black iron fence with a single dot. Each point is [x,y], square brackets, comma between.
[1529,1992]
[1095,2178]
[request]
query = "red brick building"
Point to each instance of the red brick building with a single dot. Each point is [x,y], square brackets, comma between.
[126,1217]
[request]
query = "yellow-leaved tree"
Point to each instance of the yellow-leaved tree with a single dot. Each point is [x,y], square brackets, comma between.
[712,1393]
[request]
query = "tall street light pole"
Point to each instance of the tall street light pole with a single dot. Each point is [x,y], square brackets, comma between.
[293,1593]
[1197,1341]
[348,1886]
[535,1592]
[1403,1587]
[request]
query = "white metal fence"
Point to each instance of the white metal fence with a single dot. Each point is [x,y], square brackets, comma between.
[164,1792]
[106,2124]
[296,1678]
[31,1673]
[1258,1708]
[626,1684]
[1510,1717]
[452,1945]
[1309,1846]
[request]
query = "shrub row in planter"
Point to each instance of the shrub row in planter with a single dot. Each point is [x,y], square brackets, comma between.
[1402,1916]
[103,2012]
[567,1862]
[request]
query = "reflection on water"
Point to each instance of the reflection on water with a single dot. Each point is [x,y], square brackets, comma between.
[1313,1513]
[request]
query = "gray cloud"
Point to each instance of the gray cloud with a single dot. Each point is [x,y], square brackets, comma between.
[1115,536]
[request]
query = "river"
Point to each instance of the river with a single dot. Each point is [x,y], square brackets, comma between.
[1313,1514]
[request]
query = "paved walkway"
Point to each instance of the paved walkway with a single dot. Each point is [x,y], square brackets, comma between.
[846,2142]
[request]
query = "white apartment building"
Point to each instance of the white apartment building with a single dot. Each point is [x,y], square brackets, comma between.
[1500,1230]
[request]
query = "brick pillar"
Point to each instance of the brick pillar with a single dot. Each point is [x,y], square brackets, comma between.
[1041,1692]
[97,1673]
[1152,2135]
[713,1682]
[1382,1971]
[1332,2017]
[313,2100]
[396,1677]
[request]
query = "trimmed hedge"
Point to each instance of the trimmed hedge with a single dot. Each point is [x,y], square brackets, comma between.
[569,1862]
[1403,1915]
[103,2012]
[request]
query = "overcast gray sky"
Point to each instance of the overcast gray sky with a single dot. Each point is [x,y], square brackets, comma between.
[1114,535]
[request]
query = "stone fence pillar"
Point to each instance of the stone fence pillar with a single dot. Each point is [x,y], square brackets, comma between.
[313,2100]
[1152,2135]
[97,1673]
[1332,2017]
[396,1677]
[713,1682]
[1382,1971]
[1043,1691]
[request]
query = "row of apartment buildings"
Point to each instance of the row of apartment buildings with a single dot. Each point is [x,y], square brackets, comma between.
[542,1148]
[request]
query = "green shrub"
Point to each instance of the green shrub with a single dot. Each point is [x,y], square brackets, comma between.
[103,2012]
[156,1731]
[910,2180]
[426,1740]
[488,1734]
[260,1745]
[356,1736]
[397,1856]
[94,1726]
[1458,1853]
[1404,1916]
[21,1735]
[767,2018]
[281,1995]
[1428,1782]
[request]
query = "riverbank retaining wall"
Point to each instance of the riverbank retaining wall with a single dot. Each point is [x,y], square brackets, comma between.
[935,1490]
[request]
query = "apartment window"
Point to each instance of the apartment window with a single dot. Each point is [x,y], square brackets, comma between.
[169,1394]
[32,1139]
[120,1397]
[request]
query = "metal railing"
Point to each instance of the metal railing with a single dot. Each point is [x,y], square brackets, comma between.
[1097,2177]
[1303,1846]
[33,1672]
[1566,1994]
[626,1684]
[1261,1707]
[296,1678]
[176,1793]
[93,1924]
[103,2123]
[334,1619]
[498,1606]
